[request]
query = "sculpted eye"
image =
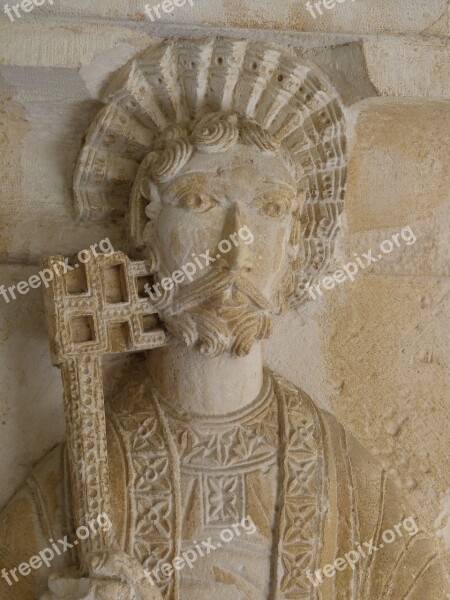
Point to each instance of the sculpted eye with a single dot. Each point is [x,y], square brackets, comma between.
[197,201]
[275,205]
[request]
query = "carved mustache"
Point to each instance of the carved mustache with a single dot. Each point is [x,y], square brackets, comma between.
[214,283]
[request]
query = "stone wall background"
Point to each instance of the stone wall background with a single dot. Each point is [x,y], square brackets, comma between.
[374,352]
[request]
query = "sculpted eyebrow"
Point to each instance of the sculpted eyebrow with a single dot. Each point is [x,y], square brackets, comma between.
[184,179]
[176,189]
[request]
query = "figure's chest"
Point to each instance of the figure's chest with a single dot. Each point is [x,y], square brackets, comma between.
[229,490]
[190,480]
[224,467]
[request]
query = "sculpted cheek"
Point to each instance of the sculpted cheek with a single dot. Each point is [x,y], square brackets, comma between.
[180,236]
[273,257]
[280,243]
[177,242]
[174,247]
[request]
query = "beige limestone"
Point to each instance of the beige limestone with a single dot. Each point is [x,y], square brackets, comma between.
[312,349]
[362,16]
[175,417]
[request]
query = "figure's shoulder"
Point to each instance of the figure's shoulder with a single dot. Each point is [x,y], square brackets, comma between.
[328,427]
[295,397]
[38,499]
[347,461]
[340,450]
[33,516]
[401,560]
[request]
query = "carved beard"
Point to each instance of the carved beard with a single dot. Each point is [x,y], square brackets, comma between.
[219,312]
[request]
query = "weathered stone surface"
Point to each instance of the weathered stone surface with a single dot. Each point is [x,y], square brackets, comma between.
[373,352]
[364,16]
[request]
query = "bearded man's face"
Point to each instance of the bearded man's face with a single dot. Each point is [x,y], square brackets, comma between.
[231,215]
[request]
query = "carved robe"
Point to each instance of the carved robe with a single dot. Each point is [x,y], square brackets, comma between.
[312,491]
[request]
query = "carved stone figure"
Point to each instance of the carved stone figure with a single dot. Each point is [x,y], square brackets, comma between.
[228,159]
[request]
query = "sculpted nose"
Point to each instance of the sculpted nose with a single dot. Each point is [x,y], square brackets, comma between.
[239,256]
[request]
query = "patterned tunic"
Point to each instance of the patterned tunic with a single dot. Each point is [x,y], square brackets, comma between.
[311,491]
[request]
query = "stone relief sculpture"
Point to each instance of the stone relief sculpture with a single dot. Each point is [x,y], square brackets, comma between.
[201,142]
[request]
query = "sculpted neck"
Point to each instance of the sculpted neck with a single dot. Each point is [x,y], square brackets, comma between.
[206,386]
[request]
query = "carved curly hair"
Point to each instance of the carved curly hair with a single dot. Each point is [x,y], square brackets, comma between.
[212,133]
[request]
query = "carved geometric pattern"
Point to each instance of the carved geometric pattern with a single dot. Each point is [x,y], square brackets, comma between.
[295,442]
[115,314]
[86,444]
[217,444]
[154,493]
[94,309]
[301,516]
[223,500]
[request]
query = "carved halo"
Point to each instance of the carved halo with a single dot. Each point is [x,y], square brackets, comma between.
[179,80]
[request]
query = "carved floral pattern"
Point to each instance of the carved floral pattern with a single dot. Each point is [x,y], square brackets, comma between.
[219,445]
[152,493]
[281,425]
[223,499]
[301,516]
